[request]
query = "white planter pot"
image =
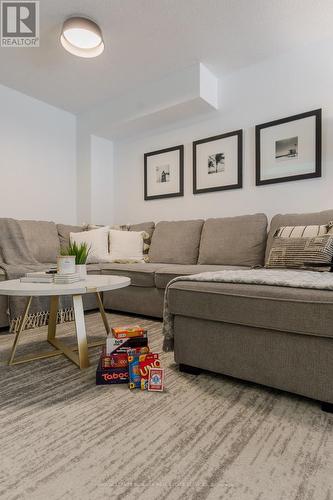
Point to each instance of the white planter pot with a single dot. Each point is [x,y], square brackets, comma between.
[65,264]
[81,269]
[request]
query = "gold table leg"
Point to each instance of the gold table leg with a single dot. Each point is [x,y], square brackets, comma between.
[20,330]
[52,326]
[102,311]
[81,359]
[81,331]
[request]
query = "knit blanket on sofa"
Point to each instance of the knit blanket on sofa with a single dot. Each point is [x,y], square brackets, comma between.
[16,259]
[286,278]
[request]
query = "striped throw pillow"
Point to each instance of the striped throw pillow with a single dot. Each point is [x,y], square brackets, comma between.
[294,253]
[300,231]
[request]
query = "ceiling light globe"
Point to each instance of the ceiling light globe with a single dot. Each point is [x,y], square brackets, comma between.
[82,37]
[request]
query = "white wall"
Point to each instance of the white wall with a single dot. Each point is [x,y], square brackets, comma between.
[102,200]
[293,83]
[83,180]
[37,159]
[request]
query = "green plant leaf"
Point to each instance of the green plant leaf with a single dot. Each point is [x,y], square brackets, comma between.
[80,252]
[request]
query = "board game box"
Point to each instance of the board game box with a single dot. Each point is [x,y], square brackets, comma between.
[147,361]
[106,376]
[128,332]
[120,360]
[116,346]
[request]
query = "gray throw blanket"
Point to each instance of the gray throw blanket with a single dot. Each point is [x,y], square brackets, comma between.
[16,259]
[276,277]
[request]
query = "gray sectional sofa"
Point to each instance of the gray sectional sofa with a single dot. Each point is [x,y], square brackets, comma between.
[276,336]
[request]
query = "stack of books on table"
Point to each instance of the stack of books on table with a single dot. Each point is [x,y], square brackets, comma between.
[66,279]
[42,277]
[127,359]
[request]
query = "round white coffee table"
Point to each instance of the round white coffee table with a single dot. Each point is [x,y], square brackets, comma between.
[92,284]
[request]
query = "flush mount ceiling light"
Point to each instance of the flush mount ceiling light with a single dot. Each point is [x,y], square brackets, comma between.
[82,37]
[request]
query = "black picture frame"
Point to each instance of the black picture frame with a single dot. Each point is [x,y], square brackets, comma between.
[239,183]
[317,113]
[181,173]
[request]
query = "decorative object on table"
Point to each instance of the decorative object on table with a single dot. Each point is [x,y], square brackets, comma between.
[289,149]
[36,277]
[80,251]
[67,279]
[65,264]
[293,253]
[164,173]
[156,379]
[218,163]
[98,242]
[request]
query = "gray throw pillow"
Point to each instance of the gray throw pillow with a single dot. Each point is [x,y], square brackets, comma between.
[299,253]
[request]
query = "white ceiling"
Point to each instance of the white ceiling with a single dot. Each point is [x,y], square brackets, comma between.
[147,39]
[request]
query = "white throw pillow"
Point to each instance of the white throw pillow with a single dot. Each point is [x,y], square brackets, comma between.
[126,246]
[97,240]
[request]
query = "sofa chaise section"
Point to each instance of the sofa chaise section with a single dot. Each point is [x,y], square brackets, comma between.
[276,336]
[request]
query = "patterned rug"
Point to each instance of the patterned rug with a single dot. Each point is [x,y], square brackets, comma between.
[205,437]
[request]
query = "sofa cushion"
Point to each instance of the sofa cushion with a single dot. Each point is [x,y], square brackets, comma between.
[170,271]
[234,241]
[296,220]
[140,274]
[143,226]
[93,269]
[296,310]
[63,232]
[42,239]
[176,242]
[147,227]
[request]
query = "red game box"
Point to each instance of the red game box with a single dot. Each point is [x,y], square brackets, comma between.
[147,361]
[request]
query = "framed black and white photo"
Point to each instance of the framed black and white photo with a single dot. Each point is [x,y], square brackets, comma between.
[289,149]
[164,173]
[217,162]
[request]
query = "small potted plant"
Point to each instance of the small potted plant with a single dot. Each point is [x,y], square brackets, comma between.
[80,252]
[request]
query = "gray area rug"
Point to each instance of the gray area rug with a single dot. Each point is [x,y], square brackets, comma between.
[206,437]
